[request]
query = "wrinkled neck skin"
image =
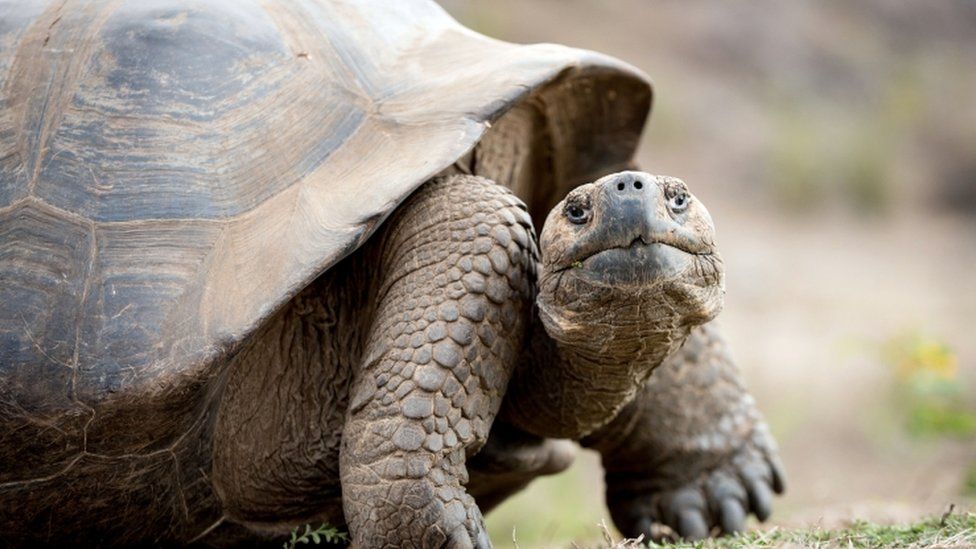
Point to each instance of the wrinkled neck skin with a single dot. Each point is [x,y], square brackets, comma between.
[594,345]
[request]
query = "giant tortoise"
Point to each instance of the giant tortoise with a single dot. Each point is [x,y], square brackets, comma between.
[271,263]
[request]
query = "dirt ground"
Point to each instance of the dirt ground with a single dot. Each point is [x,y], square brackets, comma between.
[833,146]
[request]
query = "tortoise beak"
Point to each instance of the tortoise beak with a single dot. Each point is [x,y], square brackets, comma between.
[636,209]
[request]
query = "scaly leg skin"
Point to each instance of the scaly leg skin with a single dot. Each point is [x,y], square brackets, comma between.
[691,451]
[456,265]
[511,459]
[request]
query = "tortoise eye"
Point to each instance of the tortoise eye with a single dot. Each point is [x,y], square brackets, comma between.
[577,214]
[679,202]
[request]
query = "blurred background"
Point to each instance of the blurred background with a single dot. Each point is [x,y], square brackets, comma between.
[835,145]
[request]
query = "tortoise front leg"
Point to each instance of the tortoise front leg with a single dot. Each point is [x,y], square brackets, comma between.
[692,450]
[456,267]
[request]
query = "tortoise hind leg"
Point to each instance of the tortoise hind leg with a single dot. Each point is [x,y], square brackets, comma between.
[691,451]
[453,300]
[511,459]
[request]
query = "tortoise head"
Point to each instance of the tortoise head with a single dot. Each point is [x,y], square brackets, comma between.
[631,238]
[629,267]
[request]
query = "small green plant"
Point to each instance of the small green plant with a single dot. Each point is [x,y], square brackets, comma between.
[325,532]
[928,387]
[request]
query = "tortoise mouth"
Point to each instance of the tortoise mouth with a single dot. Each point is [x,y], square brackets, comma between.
[639,262]
[638,243]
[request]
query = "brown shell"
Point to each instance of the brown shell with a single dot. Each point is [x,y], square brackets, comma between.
[172,173]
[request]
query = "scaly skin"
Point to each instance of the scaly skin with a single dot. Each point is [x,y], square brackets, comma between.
[692,450]
[511,459]
[619,290]
[686,446]
[455,292]
[395,365]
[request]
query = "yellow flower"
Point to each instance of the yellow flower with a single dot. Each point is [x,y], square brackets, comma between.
[925,356]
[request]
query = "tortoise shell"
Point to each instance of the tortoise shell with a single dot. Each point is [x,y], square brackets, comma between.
[173,172]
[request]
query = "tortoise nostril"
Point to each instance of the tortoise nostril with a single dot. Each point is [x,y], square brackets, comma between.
[638,184]
[620,186]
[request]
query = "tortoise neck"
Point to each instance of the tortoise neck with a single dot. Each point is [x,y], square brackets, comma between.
[588,357]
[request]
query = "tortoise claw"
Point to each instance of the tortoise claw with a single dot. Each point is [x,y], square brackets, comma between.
[645,528]
[760,499]
[732,517]
[692,525]
[779,475]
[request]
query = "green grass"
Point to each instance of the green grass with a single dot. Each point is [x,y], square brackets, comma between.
[950,530]
[956,530]
[327,533]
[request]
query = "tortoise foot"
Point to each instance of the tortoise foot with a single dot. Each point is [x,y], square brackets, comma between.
[715,502]
[414,513]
